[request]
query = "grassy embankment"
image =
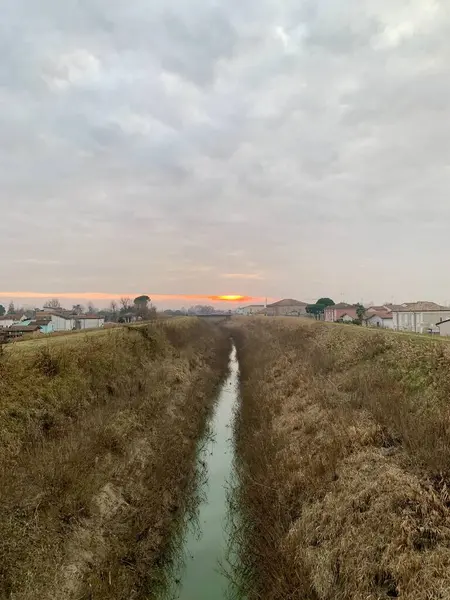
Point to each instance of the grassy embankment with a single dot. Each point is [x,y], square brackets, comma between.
[344,438]
[97,452]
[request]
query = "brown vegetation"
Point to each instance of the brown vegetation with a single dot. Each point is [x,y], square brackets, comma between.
[344,436]
[97,447]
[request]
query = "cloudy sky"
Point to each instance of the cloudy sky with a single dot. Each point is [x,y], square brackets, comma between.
[280,148]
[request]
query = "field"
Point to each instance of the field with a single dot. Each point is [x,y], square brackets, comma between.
[98,437]
[343,436]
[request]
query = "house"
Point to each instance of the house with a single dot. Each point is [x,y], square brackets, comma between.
[444,327]
[62,320]
[89,321]
[379,309]
[252,309]
[19,330]
[379,318]
[287,307]
[346,318]
[339,311]
[419,317]
[7,321]
[10,319]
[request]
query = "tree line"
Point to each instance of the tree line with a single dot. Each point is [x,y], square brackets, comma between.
[139,308]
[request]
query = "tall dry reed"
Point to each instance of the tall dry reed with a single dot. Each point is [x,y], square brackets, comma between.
[344,439]
[97,454]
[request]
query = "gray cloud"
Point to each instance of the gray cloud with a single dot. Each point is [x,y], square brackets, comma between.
[301,147]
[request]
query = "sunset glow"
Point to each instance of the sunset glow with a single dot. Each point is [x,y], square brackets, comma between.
[232,298]
[114,296]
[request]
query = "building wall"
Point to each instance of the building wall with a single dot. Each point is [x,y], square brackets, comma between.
[249,310]
[418,322]
[377,321]
[340,312]
[47,328]
[329,314]
[90,323]
[445,328]
[61,324]
[334,314]
[6,323]
[282,311]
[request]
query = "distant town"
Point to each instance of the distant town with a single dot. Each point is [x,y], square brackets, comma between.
[416,317]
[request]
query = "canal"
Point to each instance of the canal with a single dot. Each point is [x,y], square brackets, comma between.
[205,551]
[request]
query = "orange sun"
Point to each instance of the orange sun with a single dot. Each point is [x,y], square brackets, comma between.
[235,297]
[230,298]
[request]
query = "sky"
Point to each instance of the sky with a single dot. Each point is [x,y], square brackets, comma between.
[279,148]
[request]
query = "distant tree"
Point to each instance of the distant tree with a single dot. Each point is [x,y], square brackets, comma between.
[141,300]
[201,309]
[360,312]
[315,309]
[91,309]
[325,302]
[141,306]
[78,309]
[54,303]
[319,307]
[113,309]
[2,310]
[125,304]
[11,308]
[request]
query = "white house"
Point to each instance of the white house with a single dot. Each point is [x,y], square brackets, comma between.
[62,322]
[6,321]
[381,319]
[252,309]
[347,318]
[419,317]
[89,322]
[59,320]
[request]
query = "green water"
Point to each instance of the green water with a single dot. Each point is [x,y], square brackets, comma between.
[205,550]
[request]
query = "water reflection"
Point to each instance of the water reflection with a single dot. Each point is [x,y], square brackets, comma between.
[205,547]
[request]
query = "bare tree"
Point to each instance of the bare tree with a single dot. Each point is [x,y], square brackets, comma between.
[11,308]
[126,303]
[54,303]
[91,308]
[113,308]
[78,309]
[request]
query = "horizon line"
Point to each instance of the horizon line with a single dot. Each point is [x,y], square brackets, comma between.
[115,296]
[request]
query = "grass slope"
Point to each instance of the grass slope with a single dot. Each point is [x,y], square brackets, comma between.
[97,449]
[344,440]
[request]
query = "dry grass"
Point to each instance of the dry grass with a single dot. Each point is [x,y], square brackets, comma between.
[97,448]
[344,436]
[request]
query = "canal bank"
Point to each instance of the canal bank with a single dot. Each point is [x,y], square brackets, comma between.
[205,545]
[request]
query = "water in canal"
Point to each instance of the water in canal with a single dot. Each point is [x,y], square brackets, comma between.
[205,550]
